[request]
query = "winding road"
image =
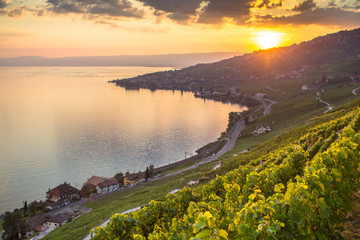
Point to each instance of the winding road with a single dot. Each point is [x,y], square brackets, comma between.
[329,107]
[267,108]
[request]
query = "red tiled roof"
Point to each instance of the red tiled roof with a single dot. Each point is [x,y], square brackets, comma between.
[40,228]
[95,180]
[88,186]
[108,182]
[63,190]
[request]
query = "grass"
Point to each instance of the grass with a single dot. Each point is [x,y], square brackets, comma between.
[1,226]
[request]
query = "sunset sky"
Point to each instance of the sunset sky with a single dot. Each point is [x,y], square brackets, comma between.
[59,28]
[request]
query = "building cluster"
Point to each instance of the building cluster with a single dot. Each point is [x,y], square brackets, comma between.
[44,222]
[64,194]
[346,78]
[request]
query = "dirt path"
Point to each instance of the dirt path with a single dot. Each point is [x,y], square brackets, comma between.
[354,91]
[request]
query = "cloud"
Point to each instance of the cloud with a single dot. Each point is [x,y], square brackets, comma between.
[3,4]
[240,12]
[320,16]
[268,3]
[209,11]
[180,11]
[305,6]
[113,8]
[343,4]
[217,10]
[17,12]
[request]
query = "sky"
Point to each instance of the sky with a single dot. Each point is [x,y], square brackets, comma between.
[65,28]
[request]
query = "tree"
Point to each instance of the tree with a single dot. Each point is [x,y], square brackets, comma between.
[323,80]
[119,177]
[32,209]
[246,119]
[14,226]
[25,209]
[151,171]
[147,174]
[87,193]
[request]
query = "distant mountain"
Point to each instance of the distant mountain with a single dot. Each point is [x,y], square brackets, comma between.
[165,60]
[263,67]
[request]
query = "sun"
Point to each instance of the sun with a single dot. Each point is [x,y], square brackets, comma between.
[268,39]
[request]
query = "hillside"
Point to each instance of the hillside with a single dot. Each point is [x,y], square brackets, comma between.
[253,72]
[302,190]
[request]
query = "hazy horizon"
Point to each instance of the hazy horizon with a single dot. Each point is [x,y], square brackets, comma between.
[157,60]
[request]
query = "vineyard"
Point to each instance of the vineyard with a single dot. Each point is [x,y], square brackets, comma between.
[301,191]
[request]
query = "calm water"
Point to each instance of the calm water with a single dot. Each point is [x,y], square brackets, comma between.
[66,124]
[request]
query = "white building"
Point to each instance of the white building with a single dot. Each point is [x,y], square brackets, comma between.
[109,185]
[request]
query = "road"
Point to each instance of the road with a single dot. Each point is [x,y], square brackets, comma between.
[267,108]
[234,134]
[329,107]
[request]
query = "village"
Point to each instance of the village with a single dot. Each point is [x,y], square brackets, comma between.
[63,203]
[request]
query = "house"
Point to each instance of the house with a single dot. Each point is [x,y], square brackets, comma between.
[261,129]
[133,178]
[88,189]
[261,95]
[35,224]
[56,220]
[42,222]
[108,185]
[251,119]
[64,192]
[94,180]
[307,87]
[191,183]
[90,186]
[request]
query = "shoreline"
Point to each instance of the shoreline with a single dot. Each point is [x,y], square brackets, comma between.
[243,100]
[159,170]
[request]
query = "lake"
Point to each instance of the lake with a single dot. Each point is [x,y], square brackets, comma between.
[62,124]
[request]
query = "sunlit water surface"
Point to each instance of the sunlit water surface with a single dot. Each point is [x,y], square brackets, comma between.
[62,124]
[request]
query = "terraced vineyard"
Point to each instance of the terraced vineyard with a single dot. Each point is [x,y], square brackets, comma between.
[301,191]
